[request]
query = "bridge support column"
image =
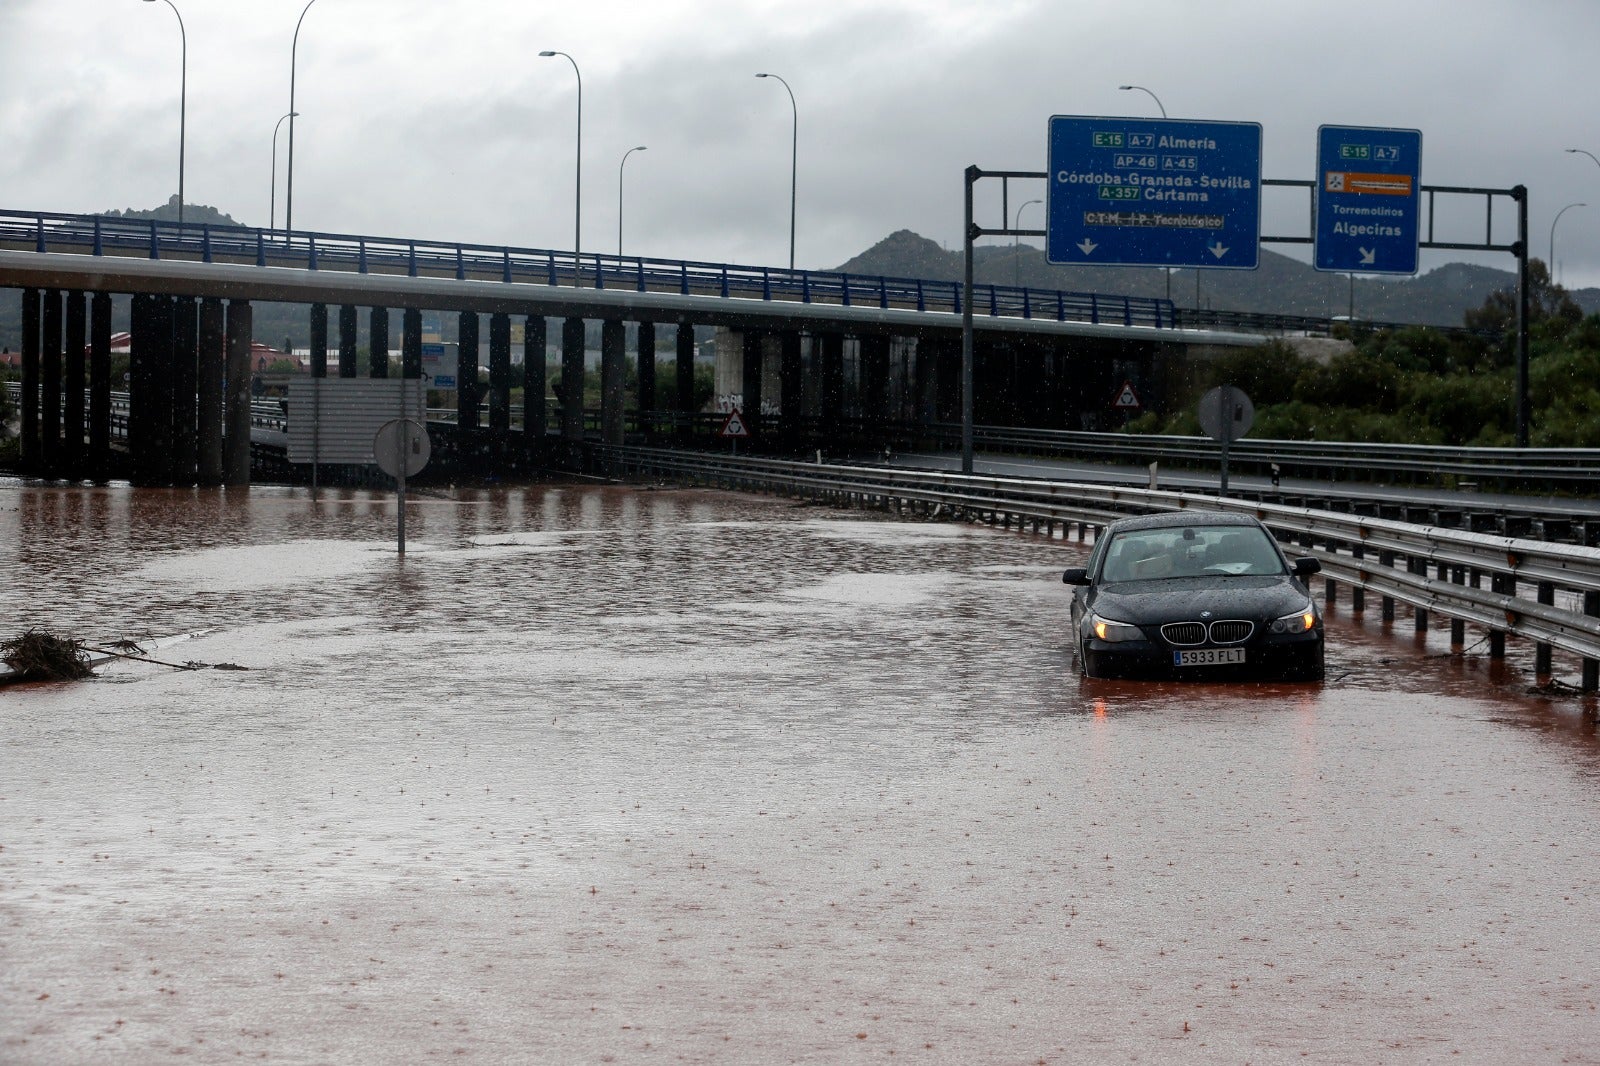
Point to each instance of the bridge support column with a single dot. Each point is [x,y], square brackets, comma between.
[378,343]
[100,387]
[830,391]
[684,373]
[791,387]
[875,383]
[236,399]
[571,394]
[646,345]
[50,380]
[754,354]
[185,380]
[157,398]
[347,341]
[30,442]
[73,386]
[613,357]
[535,383]
[319,340]
[468,396]
[925,378]
[140,314]
[499,377]
[211,364]
[411,343]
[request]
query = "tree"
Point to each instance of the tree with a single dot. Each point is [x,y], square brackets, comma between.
[1551,310]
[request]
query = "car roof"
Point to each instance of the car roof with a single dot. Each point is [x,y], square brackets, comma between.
[1179,519]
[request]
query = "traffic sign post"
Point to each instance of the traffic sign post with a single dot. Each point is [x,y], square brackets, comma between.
[1154,192]
[401,449]
[1368,196]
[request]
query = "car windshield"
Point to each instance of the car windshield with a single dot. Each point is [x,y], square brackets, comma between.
[1189,551]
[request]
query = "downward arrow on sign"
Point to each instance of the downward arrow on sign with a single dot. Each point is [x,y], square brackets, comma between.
[1219,249]
[1086,246]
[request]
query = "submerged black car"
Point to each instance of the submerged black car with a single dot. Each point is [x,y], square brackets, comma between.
[1195,594]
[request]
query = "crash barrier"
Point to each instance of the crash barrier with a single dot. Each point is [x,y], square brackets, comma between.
[1555,467]
[1508,586]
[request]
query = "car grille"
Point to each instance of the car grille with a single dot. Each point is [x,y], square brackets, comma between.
[1187,634]
[1231,631]
[1184,632]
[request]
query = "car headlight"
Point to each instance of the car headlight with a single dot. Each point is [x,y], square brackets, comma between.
[1302,621]
[1113,632]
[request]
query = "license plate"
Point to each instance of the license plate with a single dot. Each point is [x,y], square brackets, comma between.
[1208,657]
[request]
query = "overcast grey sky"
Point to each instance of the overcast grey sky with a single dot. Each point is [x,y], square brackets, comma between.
[438,119]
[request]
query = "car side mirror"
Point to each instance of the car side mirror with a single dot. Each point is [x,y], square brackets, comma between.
[1076,576]
[1305,566]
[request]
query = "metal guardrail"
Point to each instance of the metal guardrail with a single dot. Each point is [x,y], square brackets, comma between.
[1569,466]
[1308,325]
[1375,555]
[44,231]
[1573,468]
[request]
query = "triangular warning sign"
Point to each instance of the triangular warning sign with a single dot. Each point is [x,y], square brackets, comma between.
[734,426]
[1126,397]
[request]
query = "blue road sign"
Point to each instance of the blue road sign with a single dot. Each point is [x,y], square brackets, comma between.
[1368,197]
[1154,192]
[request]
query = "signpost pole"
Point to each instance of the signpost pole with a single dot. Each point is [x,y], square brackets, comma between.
[400,483]
[972,175]
[1223,397]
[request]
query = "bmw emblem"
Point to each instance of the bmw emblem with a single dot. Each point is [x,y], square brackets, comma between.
[1205,614]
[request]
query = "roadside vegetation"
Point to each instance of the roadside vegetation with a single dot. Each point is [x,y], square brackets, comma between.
[1421,386]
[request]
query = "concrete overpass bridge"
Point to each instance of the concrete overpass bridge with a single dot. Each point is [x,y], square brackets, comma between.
[797,349]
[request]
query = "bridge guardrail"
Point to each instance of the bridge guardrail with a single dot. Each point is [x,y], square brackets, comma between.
[1381,556]
[44,231]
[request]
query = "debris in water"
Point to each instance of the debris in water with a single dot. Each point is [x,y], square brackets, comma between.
[41,656]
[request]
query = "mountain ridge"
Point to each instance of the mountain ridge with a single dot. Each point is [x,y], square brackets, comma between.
[1280,285]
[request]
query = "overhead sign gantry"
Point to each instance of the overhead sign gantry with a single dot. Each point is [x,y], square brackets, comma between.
[1368,195]
[1154,192]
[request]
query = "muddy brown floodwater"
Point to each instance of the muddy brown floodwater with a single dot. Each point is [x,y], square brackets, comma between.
[627,775]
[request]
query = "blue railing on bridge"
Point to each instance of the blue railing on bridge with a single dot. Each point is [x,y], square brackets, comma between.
[44,231]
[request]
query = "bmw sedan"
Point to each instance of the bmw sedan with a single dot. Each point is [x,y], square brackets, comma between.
[1195,594]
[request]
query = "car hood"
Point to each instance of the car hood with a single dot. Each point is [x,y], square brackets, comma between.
[1185,599]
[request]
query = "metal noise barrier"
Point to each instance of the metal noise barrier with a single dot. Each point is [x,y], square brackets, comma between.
[1514,565]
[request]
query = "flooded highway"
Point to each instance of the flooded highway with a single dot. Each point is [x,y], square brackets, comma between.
[609,774]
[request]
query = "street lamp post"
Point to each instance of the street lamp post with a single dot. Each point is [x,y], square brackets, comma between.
[794,157]
[183,101]
[577,195]
[1162,107]
[272,202]
[1552,263]
[1591,155]
[1016,245]
[1153,96]
[625,155]
[294,49]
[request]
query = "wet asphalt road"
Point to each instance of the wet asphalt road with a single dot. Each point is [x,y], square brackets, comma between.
[622,775]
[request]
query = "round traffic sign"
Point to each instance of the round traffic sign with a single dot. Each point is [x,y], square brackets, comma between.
[401,443]
[1226,413]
